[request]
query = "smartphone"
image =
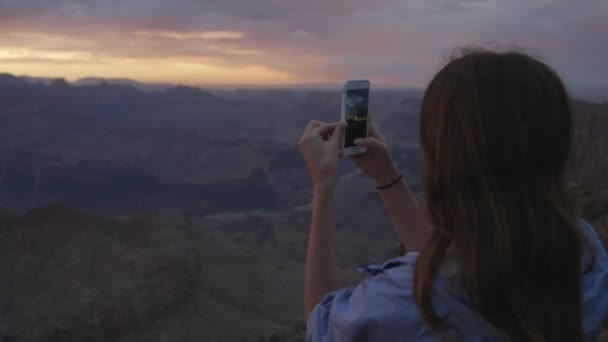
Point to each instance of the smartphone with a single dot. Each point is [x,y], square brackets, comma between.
[355,103]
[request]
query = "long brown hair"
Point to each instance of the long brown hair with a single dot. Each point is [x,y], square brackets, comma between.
[495,131]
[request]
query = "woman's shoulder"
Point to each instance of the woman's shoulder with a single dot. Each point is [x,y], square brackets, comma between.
[387,288]
[381,307]
[594,284]
[592,236]
[404,263]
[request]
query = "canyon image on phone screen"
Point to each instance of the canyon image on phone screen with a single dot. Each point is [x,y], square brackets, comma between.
[356,115]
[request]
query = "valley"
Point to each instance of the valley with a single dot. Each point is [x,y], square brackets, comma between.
[137,214]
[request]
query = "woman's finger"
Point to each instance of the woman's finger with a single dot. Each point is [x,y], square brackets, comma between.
[373,130]
[327,128]
[306,136]
[370,143]
[314,124]
[339,131]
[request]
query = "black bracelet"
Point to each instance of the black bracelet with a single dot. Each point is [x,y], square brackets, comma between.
[391,183]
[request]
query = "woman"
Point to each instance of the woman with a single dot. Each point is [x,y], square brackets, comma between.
[495,252]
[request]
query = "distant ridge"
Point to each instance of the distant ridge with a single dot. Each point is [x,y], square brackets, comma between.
[89,81]
[596,94]
[6,77]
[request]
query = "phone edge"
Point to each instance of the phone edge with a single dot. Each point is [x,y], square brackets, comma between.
[353,150]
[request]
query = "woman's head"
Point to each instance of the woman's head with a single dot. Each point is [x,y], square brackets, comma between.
[498,117]
[495,131]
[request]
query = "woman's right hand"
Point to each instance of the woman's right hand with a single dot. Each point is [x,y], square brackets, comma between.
[376,162]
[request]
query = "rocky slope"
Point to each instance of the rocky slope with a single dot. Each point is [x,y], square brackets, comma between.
[221,259]
[74,276]
[179,152]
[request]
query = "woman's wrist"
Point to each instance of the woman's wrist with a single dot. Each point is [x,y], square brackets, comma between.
[323,200]
[390,176]
[324,188]
[391,184]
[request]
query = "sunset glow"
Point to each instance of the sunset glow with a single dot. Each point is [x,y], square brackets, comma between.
[400,43]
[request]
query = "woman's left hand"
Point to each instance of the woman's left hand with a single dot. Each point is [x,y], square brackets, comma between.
[321,147]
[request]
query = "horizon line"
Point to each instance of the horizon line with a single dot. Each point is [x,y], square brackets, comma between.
[285,86]
[253,86]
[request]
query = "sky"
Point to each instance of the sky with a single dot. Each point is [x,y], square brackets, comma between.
[399,43]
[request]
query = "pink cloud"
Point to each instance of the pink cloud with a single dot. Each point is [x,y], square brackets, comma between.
[390,40]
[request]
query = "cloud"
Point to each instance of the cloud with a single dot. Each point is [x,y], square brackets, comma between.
[398,42]
[204,35]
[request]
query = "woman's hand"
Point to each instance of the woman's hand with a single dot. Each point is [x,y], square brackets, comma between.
[376,162]
[321,147]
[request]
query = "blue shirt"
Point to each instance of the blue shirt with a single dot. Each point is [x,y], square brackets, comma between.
[382,306]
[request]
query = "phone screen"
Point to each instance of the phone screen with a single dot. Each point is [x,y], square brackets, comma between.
[356,115]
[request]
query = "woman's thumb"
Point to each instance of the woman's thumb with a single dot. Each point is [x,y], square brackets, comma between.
[338,135]
[370,142]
